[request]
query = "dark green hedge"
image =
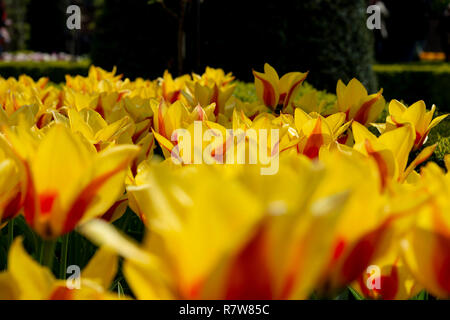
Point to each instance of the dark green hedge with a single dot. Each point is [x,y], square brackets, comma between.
[416,81]
[327,37]
[54,70]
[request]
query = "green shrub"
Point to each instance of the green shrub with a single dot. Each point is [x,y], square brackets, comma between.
[246,92]
[54,70]
[333,42]
[416,81]
[441,136]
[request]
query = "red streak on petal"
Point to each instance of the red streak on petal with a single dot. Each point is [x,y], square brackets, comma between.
[282,99]
[419,140]
[363,113]
[347,115]
[46,201]
[381,163]
[441,262]
[44,83]
[200,113]
[60,100]
[87,196]
[13,207]
[397,124]
[359,257]
[138,134]
[268,92]
[194,291]
[338,250]
[215,99]
[286,101]
[61,293]
[175,96]
[45,97]
[314,142]
[107,216]
[40,121]
[343,139]
[388,285]
[99,109]
[121,95]
[249,276]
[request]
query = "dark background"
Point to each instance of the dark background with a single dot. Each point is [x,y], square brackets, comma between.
[327,37]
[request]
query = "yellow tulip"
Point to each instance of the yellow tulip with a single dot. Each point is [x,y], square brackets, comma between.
[205,95]
[279,248]
[171,88]
[357,104]
[214,76]
[426,247]
[274,92]
[12,186]
[416,115]
[390,151]
[316,131]
[387,277]
[68,182]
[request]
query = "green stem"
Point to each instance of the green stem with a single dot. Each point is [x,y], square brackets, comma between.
[47,253]
[64,251]
[125,222]
[10,232]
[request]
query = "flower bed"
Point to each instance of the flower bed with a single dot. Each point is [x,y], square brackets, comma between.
[342,208]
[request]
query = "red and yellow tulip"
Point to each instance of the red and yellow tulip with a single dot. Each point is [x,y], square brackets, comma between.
[276,93]
[67,181]
[357,104]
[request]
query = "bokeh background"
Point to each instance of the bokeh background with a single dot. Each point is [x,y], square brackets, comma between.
[407,57]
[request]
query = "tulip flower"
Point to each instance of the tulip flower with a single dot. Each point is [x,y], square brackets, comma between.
[168,118]
[387,277]
[171,88]
[426,247]
[280,245]
[390,151]
[68,183]
[357,237]
[357,104]
[25,279]
[214,76]
[262,193]
[12,187]
[205,95]
[93,127]
[316,131]
[274,92]
[416,115]
[270,264]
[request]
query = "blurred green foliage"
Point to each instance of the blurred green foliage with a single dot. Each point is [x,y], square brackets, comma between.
[54,70]
[416,81]
[441,136]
